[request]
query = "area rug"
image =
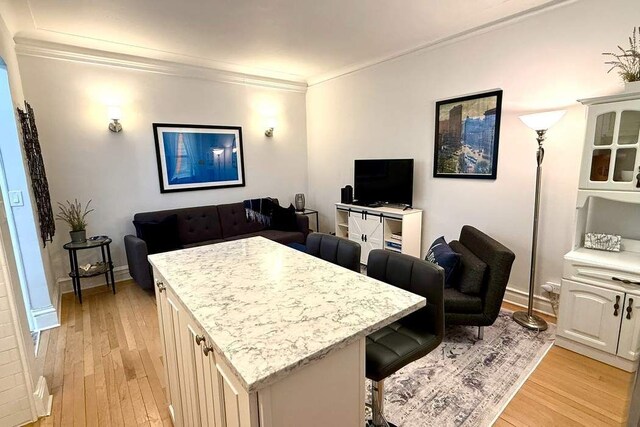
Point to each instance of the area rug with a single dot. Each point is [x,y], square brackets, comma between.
[466,382]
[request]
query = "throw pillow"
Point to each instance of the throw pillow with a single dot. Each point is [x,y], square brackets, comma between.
[284,219]
[470,275]
[440,253]
[160,236]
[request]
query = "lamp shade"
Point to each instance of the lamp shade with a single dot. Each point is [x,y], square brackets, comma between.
[542,121]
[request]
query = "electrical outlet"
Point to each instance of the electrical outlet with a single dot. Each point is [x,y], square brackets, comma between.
[552,287]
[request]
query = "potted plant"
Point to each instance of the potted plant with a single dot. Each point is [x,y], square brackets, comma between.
[74,215]
[627,62]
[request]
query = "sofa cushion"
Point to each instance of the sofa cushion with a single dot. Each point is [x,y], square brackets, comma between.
[233,220]
[280,236]
[440,253]
[284,237]
[203,243]
[160,236]
[469,277]
[284,219]
[457,302]
[198,224]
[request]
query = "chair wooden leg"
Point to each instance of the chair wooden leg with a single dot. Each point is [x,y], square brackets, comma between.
[480,332]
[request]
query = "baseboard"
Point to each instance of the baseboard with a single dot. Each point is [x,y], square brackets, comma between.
[521,299]
[119,274]
[594,353]
[45,318]
[43,399]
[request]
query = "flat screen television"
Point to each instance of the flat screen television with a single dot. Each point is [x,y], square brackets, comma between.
[380,181]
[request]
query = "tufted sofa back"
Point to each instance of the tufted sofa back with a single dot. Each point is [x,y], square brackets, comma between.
[233,220]
[203,223]
[194,224]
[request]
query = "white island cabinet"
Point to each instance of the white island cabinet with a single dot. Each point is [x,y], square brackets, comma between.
[258,334]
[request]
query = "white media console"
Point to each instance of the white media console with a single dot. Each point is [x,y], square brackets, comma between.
[387,228]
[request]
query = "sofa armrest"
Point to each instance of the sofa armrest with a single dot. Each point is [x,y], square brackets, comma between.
[303,225]
[139,267]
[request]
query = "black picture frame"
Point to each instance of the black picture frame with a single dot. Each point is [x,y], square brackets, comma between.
[468,148]
[193,164]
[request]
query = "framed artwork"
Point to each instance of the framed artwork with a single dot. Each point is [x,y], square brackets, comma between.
[467,133]
[198,157]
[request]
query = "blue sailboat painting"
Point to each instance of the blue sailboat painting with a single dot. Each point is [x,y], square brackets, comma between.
[198,157]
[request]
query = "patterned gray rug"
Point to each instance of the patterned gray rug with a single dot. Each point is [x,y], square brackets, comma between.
[466,382]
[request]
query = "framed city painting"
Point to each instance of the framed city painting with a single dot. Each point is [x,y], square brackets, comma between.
[467,133]
[198,157]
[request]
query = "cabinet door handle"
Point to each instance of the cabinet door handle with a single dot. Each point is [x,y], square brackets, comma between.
[161,286]
[365,237]
[616,306]
[629,308]
[362,237]
[199,339]
[207,349]
[625,281]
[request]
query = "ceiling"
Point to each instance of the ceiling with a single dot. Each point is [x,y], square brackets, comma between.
[298,40]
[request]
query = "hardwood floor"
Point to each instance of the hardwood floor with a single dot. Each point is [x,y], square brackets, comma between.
[103,364]
[104,367]
[568,389]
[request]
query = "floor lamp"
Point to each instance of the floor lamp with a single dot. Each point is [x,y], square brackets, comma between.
[540,123]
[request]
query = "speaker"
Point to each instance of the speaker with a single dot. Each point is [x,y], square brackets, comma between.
[346,195]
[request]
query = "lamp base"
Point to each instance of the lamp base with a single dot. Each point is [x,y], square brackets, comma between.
[530,322]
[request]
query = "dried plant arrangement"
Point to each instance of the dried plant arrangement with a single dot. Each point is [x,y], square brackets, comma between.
[627,61]
[74,215]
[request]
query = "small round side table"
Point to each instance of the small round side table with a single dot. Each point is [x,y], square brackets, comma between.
[105,267]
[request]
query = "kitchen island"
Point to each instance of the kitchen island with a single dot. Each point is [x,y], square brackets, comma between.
[258,334]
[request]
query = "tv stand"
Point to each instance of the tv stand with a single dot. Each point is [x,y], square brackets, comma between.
[396,228]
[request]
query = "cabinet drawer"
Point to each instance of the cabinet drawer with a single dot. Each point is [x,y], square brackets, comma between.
[602,276]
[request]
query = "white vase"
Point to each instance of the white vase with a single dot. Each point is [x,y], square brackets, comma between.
[632,86]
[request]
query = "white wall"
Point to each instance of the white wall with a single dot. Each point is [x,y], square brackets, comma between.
[38,285]
[17,362]
[542,62]
[119,171]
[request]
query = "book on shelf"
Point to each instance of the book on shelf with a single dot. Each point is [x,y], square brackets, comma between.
[393,245]
[396,236]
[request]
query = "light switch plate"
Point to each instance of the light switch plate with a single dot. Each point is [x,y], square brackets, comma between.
[15,198]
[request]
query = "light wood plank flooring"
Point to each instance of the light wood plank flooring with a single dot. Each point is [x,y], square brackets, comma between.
[104,367]
[568,389]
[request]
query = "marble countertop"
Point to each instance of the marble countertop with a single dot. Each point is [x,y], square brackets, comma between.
[269,309]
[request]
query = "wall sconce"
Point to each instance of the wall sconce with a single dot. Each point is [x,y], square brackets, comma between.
[271,124]
[115,114]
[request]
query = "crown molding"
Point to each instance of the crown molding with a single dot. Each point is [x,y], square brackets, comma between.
[25,46]
[475,31]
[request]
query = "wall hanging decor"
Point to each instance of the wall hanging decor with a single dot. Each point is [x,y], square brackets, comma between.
[466,137]
[198,157]
[35,164]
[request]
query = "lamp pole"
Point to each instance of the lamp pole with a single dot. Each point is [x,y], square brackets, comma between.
[528,319]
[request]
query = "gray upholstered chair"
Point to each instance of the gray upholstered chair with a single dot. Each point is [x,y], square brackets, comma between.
[481,308]
[336,250]
[413,336]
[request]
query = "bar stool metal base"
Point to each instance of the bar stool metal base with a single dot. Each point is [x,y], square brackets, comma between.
[377,406]
[371,424]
